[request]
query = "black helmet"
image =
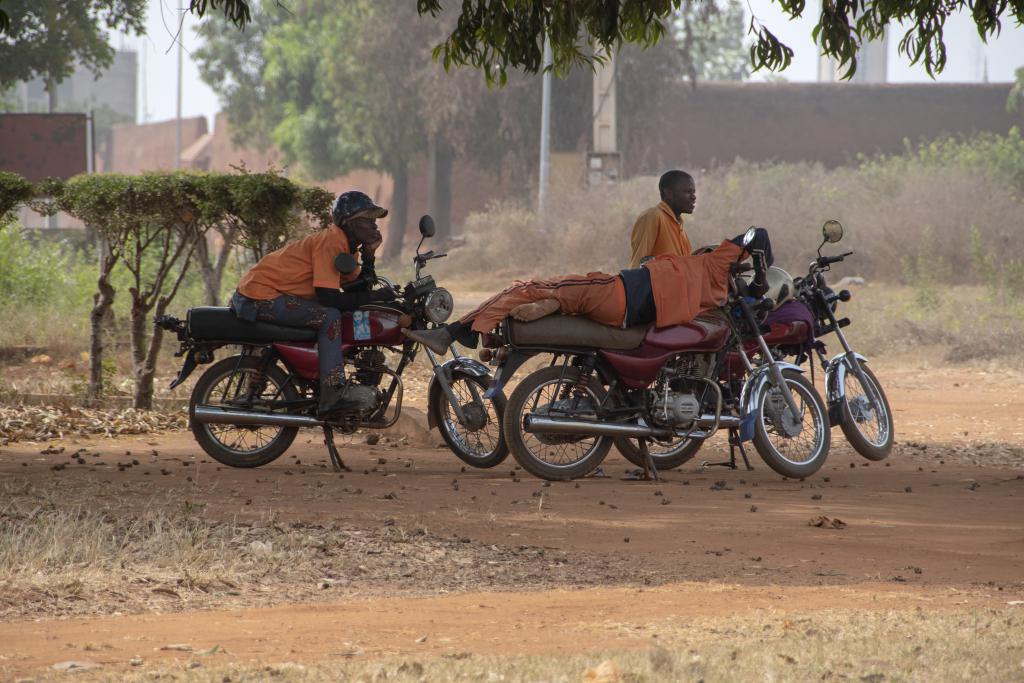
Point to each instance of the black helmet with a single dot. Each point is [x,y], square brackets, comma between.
[353,203]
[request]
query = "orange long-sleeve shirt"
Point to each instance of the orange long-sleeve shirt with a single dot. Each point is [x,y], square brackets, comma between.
[658,231]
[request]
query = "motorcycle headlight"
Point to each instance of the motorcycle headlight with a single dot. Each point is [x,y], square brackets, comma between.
[438,305]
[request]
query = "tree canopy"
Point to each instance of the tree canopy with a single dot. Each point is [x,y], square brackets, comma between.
[496,35]
[45,38]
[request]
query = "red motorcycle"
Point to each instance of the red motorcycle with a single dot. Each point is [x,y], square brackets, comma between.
[246,409]
[672,388]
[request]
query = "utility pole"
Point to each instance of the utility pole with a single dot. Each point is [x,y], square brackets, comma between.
[181,50]
[545,130]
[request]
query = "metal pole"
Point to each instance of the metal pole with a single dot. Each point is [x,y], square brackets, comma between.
[90,151]
[181,50]
[545,130]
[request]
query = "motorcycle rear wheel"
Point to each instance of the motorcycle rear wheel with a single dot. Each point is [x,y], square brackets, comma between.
[478,445]
[859,408]
[240,445]
[553,457]
[803,453]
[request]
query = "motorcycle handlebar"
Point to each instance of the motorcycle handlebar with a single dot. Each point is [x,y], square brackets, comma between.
[828,260]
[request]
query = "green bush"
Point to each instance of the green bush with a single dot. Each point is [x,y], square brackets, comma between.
[14,190]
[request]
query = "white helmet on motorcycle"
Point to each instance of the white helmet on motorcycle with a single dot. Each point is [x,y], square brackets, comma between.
[780,286]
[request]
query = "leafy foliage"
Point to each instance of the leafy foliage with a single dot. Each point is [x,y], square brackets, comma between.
[47,37]
[497,35]
[494,35]
[1016,97]
[14,190]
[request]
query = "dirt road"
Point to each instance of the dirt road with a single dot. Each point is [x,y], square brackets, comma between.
[940,524]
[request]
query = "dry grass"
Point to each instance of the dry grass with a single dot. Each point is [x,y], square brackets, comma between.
[927,213]
[868,646]
[66,552]
[973,324]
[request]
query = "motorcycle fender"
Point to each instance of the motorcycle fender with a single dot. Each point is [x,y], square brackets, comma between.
[749,395]
[835,385]
[186,368]
[467,366]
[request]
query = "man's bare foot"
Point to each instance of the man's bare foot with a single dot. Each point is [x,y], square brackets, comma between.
[535,310]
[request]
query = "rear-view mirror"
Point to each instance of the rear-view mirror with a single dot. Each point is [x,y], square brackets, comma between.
[832,231]
[427,226]
[345,263]
[749,236]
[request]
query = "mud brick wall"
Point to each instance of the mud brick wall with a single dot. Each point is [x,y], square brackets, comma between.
[829,123]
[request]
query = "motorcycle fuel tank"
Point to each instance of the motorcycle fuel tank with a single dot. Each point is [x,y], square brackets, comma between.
[366,327]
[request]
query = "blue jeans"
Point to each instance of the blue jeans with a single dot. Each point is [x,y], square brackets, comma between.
[292,311]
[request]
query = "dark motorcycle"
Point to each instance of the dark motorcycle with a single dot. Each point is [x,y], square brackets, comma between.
[856,400]
[246,409]
[673,387]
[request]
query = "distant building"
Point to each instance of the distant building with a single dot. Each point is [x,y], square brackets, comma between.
[116,88]
[872,64]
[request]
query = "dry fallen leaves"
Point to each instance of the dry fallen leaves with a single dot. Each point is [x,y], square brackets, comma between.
[41,423]
[827,522]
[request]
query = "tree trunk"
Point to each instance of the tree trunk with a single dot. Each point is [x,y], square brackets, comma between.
[442,157]
[103,299]
[51,91]
[212,271]
[102,305]
[143,395]
[51,107]
[399,213]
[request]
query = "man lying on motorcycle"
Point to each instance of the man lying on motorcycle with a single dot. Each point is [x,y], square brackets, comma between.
[665,290]
[299,286]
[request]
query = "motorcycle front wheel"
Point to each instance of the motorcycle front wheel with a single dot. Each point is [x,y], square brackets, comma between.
[558,392]
[480,441]
[866,416]
[795,446]
[237,383]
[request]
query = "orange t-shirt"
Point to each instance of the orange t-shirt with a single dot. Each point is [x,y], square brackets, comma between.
[299,268]
[658,231]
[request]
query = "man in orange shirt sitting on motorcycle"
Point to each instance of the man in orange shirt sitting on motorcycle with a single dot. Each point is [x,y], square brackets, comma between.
[666,290]
[299,286]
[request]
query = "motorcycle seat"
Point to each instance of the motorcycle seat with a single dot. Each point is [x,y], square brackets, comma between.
[572,330]
[219,323]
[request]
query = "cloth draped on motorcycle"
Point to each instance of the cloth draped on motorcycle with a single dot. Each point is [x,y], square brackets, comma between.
[681,287]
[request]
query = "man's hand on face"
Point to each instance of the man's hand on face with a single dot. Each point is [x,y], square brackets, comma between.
[365,232]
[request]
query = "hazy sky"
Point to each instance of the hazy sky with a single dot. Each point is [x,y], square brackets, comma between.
[966,56]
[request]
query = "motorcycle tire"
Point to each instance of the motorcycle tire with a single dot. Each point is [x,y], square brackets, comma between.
[206,435]
[780,451]
[873,449]
[528,449]
[462,441]
[665,456]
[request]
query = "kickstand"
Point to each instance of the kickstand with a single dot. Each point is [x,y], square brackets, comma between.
[734,445]
[650,471]
[332,450]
